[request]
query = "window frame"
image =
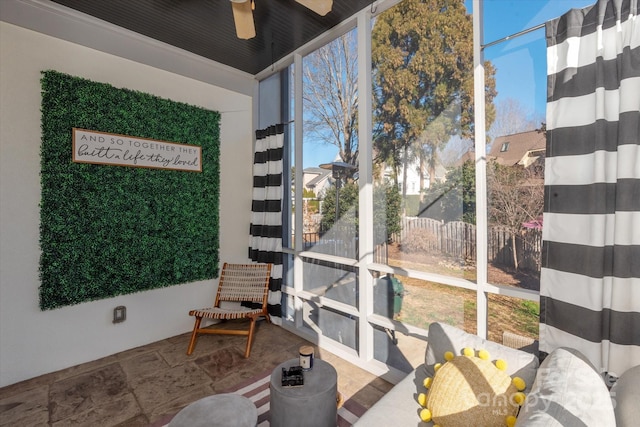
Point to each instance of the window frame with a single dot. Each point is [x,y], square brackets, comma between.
[366,266]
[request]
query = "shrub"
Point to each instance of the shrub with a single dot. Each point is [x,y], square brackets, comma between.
[419,240]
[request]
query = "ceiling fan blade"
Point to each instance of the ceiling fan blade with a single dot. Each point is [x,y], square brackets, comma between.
[243,17]
[321,7]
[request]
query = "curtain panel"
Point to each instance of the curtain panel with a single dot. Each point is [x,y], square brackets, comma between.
[590,279]
[265,243]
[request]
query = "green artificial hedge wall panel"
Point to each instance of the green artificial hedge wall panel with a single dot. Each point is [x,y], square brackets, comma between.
[113,230]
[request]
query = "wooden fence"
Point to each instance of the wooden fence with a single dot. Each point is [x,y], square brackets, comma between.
[458,239]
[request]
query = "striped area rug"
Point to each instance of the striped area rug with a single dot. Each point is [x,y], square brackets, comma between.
[257,390]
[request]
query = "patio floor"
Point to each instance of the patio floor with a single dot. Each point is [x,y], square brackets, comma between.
[140,386]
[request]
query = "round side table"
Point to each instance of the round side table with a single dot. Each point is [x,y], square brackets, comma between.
[219,410]
[312,404]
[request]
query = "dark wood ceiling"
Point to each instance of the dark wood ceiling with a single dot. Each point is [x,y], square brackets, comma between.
[206,28]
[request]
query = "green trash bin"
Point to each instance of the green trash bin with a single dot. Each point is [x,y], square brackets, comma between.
[398,295]
[387,298]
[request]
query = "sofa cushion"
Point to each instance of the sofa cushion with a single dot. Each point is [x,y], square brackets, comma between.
[626,395]
[398,407]
[568,391]
[443,338]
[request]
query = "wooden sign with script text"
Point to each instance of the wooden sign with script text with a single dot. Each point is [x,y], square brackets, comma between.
[112,149]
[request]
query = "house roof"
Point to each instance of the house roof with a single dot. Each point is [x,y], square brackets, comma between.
[321,174]
[520,148]
[206,27]
[468,156]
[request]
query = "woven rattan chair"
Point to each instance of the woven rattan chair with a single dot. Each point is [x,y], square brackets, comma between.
[239,283]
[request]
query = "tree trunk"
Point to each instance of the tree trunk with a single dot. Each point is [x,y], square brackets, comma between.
[514,250]
[421,173]
[432,173]
[404,179]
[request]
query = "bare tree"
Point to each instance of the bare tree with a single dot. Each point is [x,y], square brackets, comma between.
[330,95]
[516,195]
[456,148]
[512,117]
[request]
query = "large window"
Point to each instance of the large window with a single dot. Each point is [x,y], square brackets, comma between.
[330,147]
[409,205]
[323,85]
[423,196]
[515,159]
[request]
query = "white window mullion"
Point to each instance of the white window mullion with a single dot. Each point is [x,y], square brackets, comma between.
[481,171]
[365,180]
[298,265]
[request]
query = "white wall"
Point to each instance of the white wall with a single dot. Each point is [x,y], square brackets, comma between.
[34,342]
[268,96]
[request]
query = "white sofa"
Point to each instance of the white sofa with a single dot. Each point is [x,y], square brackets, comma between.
[565,390]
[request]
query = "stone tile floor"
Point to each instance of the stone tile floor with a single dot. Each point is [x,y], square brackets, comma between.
[141,386]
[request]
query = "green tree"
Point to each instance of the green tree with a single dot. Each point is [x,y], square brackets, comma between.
[348,205]
[386,209]
[387,205]
[422,52]
[311,201]
[454,199]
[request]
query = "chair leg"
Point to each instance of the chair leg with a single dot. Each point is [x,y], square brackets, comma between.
[250,338]
[194,336]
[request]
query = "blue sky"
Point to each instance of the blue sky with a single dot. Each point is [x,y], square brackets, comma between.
[520,62]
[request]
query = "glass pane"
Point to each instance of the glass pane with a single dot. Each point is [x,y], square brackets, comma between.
[424,196]
[397,349]
[517,137]
[288,309]
[288,303]
[517,317]
[419,303]
[504,18]
[330,148]
[337,326]
[515,166]
[331,280]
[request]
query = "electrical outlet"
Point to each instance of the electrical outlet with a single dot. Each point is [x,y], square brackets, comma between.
[119,314]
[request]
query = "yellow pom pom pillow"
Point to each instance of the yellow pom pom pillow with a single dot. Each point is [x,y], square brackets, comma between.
[468,390]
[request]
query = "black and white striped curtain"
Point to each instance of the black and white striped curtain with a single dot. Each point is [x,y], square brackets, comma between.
[590,281]
[265,243]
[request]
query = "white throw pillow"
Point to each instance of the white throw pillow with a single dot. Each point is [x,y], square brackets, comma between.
[568,391]
[626,396]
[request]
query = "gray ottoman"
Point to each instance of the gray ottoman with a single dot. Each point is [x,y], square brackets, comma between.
[219,410]
[313,405]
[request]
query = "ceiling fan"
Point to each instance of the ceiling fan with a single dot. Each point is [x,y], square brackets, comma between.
[243,14]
